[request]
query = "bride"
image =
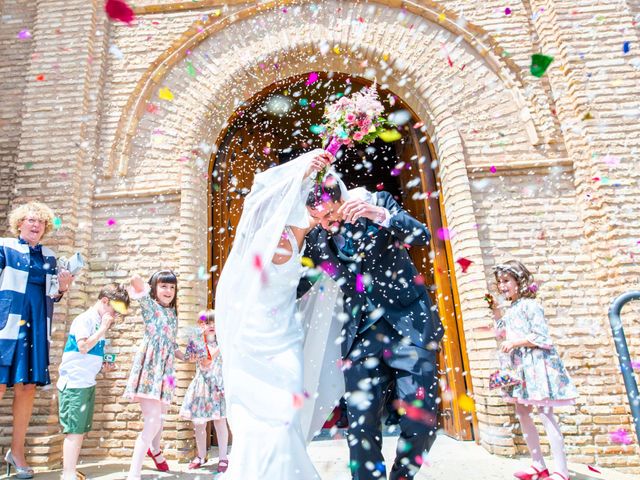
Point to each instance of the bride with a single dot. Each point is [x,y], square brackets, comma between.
[279,368]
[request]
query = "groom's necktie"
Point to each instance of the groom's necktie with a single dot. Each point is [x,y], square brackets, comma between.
[349,247]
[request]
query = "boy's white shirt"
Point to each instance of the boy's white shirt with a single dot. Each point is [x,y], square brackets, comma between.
[79,370]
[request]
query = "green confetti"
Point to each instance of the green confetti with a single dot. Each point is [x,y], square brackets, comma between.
[303,102]
[57,223]
[539,64]
[191,71]
[28,165]
[316,129]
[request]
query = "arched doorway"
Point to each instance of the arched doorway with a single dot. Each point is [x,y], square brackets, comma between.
[277,124]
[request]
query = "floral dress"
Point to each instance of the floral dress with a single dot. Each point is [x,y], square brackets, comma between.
[204,399]
[544,379]
[152,373]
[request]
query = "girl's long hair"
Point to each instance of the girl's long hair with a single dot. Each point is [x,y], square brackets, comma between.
[164,276]
[527,287]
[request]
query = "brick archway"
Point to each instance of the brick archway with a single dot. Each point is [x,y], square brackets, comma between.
[452,91]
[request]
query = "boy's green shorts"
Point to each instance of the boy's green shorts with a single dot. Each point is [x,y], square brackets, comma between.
[75,409]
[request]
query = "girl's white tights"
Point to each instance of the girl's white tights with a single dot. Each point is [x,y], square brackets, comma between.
[221,432]
[556,441]
[152,411]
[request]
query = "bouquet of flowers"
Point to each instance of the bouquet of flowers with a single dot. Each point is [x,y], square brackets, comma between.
[354,119]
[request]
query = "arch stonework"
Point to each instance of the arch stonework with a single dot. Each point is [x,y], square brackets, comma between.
[427,77]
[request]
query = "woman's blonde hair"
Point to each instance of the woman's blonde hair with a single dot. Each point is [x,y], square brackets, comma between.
[526,284]
[39,210]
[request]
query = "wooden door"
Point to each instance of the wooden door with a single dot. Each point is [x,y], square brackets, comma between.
[438,271]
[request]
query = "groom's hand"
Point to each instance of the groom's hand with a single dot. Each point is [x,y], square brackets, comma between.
[351,210]
[319,162]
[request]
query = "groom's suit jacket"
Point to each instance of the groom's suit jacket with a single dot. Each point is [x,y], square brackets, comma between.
[383,258]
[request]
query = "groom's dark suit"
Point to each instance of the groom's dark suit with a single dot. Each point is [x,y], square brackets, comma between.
[390,335]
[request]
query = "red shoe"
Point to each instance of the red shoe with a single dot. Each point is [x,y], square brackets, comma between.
[197,462]
[538,475]
[161,466]
[224,464]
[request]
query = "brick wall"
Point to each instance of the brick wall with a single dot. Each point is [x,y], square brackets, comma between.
[98,152]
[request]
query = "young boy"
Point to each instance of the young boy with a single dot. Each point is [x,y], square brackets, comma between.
[82,360]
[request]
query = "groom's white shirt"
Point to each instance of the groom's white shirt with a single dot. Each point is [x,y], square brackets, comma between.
[361,193]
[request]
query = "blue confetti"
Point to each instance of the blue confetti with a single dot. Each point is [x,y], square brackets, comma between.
[626,46]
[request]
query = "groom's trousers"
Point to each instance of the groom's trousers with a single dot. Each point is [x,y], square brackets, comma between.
[381,363]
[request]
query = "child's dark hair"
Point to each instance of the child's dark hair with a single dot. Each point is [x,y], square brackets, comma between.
[115,291]
[328,191]
[207,316]
[164,276]
[527,287]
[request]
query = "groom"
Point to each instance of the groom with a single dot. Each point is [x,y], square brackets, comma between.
[391,331]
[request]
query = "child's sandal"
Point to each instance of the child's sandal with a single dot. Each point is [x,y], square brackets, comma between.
[197,462]
[223,465]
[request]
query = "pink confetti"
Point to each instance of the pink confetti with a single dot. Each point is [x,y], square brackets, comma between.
[24,35]
[620,436]
[507,11]
[119,10]
[635,364]
[445,234]
[329,268]
[313,78]
[359,283]
[593,469]
[493,169]
[418,280]
[111,222]
[298,401]
[170,380]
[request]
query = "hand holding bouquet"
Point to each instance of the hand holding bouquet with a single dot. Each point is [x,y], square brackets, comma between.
[354,119]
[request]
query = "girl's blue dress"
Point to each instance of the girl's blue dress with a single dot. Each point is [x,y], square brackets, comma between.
[31,357]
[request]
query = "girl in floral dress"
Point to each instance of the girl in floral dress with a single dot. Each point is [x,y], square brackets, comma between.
[152,381]
[544,381]
[204,399]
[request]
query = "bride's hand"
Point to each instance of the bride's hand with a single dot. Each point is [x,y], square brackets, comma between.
[323,160]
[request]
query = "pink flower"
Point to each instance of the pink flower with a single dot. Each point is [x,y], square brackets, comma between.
[358,136]
[350,118]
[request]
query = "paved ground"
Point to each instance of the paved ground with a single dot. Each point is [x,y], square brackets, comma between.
[449,459]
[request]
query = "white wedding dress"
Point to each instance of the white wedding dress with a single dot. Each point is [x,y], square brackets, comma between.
[279,356]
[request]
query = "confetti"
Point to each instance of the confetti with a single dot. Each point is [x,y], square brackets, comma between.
[24,35]
[464,263]
[389,136]
[40,78]
[191,71]
[593,469]
[587,116]
[493,169]
[298,401]
[57,223]
[170,381]
[621,437]
[118,306]
[418,280]
[507,11]
[306,262]
[445,234]
[111,222]
[626,47]
[539,64]
[466,403]
[165,94]
[313,78]
[415,413]
[119,10]
[359,283]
